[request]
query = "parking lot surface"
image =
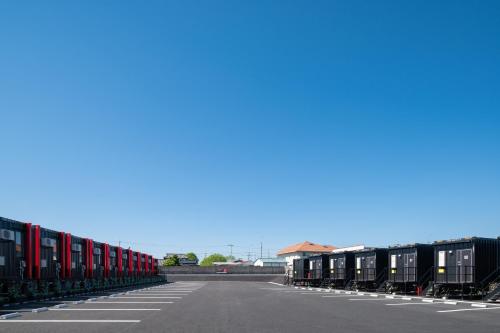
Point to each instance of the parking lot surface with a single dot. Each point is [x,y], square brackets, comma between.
[227,306]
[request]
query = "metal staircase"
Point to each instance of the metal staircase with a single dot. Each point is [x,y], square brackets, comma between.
[494,294]
[492,283]
[381,281]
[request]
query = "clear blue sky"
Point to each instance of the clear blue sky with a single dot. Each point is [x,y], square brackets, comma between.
[190,125]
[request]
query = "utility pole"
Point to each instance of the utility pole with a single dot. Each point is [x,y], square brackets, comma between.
[231,249]
[261,250]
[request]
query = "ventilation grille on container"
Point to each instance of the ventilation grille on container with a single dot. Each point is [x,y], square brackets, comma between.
[7,235]
[48,242]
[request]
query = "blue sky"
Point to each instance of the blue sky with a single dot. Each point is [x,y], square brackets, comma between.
[177,126]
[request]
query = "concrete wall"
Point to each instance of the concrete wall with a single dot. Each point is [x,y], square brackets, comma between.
[218,269]
[278,278]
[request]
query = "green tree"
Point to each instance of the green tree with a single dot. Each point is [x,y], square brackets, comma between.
[209,261]
[230,258]
[172,261]
[191,256]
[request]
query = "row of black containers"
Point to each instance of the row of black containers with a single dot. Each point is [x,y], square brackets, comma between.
[468,267]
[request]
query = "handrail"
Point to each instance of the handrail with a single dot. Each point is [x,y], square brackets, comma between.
[487,280]
[381,275]
[427,276]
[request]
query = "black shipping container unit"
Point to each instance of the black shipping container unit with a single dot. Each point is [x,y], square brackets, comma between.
[410,268]
[78,251]
[300,270]
[12,250]
[341,267]
[370,268]
[466,266]
[318,269]
[113,261]
[51,254]
[97,260]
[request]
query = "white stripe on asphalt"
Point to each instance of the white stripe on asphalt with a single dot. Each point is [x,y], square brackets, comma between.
[339,296]
[396,304]
[475,309]
[67,321]
[121,297]
[76,309]
[167,291]
[366,299]
[130,302]
[169,294]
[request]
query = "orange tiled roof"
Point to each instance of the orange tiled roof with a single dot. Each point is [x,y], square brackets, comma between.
[307,247]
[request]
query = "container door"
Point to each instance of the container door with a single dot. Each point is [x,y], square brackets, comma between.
[464,266]
[451,266]
[341,269]
[370,265]
[410,267]
[19,262]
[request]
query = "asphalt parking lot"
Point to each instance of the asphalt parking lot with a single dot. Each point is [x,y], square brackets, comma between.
[230,306]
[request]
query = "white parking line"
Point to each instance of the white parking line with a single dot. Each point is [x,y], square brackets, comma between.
[67,321]
[141,297]
[131,302]
[396,304]
[366,299]
[166,291]
[339,296]
[77,309]
[475,309]
[159,294]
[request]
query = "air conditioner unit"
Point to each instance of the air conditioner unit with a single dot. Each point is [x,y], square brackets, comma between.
[97,251]
[125,256]
[112,254]
[76,247]
[7,235]
[48,242]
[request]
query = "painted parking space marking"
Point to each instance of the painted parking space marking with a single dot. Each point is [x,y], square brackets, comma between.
[158,294]
[131,302]
[474,309]
[104,309]
[339,296]
[145,297]
[69,321]
[366,299]
[397,304]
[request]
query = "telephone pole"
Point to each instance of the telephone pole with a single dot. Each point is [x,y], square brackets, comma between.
[230,249]
[261,250]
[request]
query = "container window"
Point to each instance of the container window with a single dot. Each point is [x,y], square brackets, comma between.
[331,263]
[442,258]
[54,251]
[19,246]
[358,263]
[393,261]
[311,265]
